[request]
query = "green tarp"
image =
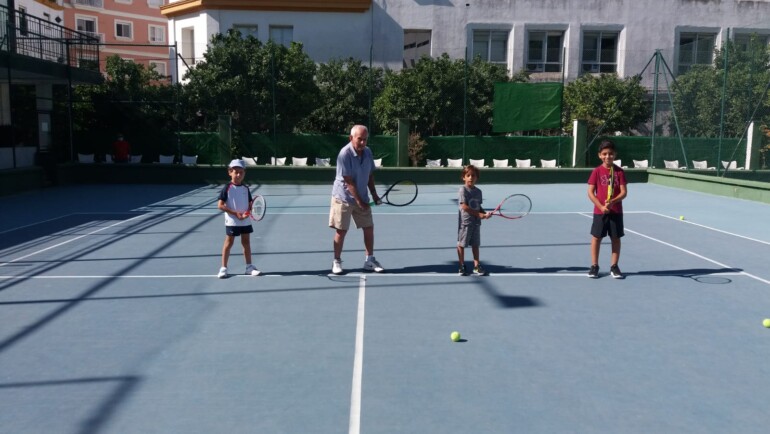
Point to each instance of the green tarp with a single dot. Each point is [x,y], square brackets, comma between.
[526,106]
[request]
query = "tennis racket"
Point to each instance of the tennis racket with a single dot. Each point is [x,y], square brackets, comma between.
[402,193]
[258,208]
[513,207]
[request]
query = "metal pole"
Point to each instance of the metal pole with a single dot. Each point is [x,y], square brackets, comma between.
[654,105]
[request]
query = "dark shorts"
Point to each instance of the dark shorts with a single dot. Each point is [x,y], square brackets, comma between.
[234,231]
[607,224]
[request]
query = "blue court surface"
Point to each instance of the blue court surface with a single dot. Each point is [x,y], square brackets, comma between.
[112,319]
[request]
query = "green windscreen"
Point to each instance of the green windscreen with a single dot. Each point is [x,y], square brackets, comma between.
[526,106]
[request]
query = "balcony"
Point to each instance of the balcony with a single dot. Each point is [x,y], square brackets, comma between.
[90,3]
[33,37]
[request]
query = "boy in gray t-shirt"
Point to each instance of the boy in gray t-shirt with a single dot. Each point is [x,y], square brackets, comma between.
[469,220]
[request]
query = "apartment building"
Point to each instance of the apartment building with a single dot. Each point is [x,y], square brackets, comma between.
[546,38]
[132,29]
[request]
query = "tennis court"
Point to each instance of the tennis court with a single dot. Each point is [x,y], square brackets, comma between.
[112,319]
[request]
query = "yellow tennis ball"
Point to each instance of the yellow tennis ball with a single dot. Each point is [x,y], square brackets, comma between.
[766,322]
[455,336]
[681,217]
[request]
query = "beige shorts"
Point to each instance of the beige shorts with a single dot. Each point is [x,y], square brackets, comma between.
[341,212]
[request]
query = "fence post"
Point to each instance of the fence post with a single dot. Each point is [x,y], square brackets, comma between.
[579,141]
[753,146]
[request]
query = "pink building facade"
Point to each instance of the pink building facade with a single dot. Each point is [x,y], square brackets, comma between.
[132,29]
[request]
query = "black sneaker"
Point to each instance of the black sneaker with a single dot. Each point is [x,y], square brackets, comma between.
[615,272]
[593,273]
[462,271]
[479,270]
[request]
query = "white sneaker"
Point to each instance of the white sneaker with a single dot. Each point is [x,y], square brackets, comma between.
[373,265]
[252,270]
[222,273]
[337,266]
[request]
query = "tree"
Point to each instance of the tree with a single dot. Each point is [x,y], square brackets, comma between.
[346,89]
[131,101]
[698,93]
[596,99]
[432,95]
[264,87]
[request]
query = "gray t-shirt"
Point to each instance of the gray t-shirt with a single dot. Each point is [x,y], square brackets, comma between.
[358,167]
[473,198]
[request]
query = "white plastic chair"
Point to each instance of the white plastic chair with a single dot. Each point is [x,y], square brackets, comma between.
[323,162]
[165,159]
[433,163]
[108,159]
[524,164]
[548,163]
[732,165]
[249,161]
[619,163]
[378,162]
[295,161]
[500,163]
[477,163]
[673,164]
[278,161]
[702,165]
[454,162]
[190,160]
[641,164]
[85,158]
[135,158]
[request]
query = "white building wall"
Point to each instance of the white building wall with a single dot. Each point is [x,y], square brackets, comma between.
[644,25]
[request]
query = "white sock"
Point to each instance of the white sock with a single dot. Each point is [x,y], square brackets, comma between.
[369,258]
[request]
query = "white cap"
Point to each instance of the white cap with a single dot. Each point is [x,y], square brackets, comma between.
[236,163]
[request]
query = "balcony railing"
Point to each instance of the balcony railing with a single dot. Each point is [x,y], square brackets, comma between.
[91,3]
[31,36]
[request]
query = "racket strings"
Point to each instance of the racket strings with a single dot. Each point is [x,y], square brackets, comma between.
[402,193]
[515,206]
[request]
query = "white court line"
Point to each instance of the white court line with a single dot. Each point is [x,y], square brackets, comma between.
[713,229]
[68,241]
[358,362]
[360,275]
[690,252]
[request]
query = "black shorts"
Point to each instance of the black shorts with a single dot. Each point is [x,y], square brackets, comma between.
[607,224]
[234,231]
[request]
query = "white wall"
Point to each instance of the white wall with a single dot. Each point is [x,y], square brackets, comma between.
[645,26]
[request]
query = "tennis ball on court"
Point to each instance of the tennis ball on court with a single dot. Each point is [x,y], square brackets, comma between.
[766,322]
[681,217]
[455,336]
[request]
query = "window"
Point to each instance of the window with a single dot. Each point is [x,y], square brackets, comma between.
[544,51]
[154,3]
[491,45]
[159,67]
[282,35]
[246,29]
[123,29]
[695,49]
[188,45]
[87,25]
[157,34]
[743,41]
[416,45]
[23,26]
[600,52]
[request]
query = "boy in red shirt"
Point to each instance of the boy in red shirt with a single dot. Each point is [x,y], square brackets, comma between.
[606,190]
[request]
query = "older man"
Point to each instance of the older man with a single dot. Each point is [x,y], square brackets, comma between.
[350,198]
